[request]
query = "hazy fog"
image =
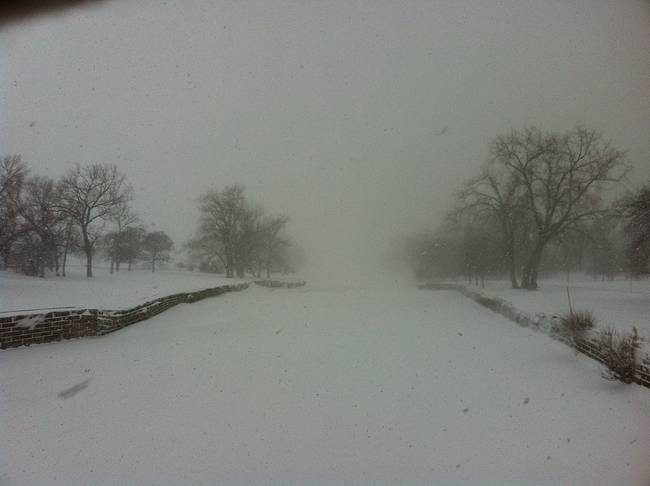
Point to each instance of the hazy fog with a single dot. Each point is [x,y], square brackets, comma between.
[357,119]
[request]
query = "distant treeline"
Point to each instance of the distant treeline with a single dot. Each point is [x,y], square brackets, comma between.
[538,205]
[235,237]
[88,212]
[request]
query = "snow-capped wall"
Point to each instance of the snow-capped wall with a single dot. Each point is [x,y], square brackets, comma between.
[280,283]
[45,326]
[543,323]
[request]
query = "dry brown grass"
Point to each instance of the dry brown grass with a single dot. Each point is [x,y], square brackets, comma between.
[620,350]
[575,325]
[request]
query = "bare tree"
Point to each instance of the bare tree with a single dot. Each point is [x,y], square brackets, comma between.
[605,246]
[156,244]
[44,222]
[477,243]
[272,242]
[122,218]
[635,209]
[131,244]
[89,195]
[70,242]
[248,239]
[238,235]
[433,255]
[222,218]
[13,172]
[562,176]
[290,257]
[206,252]
[497,195]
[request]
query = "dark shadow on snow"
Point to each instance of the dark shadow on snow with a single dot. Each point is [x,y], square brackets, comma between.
[73,390]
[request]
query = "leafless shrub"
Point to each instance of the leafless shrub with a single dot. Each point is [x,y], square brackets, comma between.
[619,350]
[575,325]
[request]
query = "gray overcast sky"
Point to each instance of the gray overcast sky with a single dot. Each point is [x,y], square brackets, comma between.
[327,111]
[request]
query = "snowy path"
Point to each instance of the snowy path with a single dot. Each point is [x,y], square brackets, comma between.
[318,385]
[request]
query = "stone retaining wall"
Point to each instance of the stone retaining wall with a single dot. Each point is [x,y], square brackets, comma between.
[35,328]
[542,322]
[278,283]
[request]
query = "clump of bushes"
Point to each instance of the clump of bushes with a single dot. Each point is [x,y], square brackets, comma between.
[574,326]
[619,351]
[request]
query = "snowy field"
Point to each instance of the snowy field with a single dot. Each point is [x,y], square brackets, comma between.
[318,385]
[104,291]
[619,303]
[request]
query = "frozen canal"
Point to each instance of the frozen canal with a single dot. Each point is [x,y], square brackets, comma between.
[318,385]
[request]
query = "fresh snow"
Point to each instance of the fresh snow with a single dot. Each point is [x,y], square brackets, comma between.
[30,322]
[318,385]
[618,303]
[104,291]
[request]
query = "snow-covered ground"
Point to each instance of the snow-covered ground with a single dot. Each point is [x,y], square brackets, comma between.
[318,385]
[619,303]
[104,291]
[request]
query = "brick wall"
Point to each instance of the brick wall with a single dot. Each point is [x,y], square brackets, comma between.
[35,328]
[278,283]
[643,372]
[542,322]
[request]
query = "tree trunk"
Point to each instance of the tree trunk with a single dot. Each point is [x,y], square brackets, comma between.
[529,277]
[153,262]
[112,265]
[89,263]
[581,252]
[41,267]
[67,245]
[240,271]
[229,266]
[512,265]
[513,276]
[89,253]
